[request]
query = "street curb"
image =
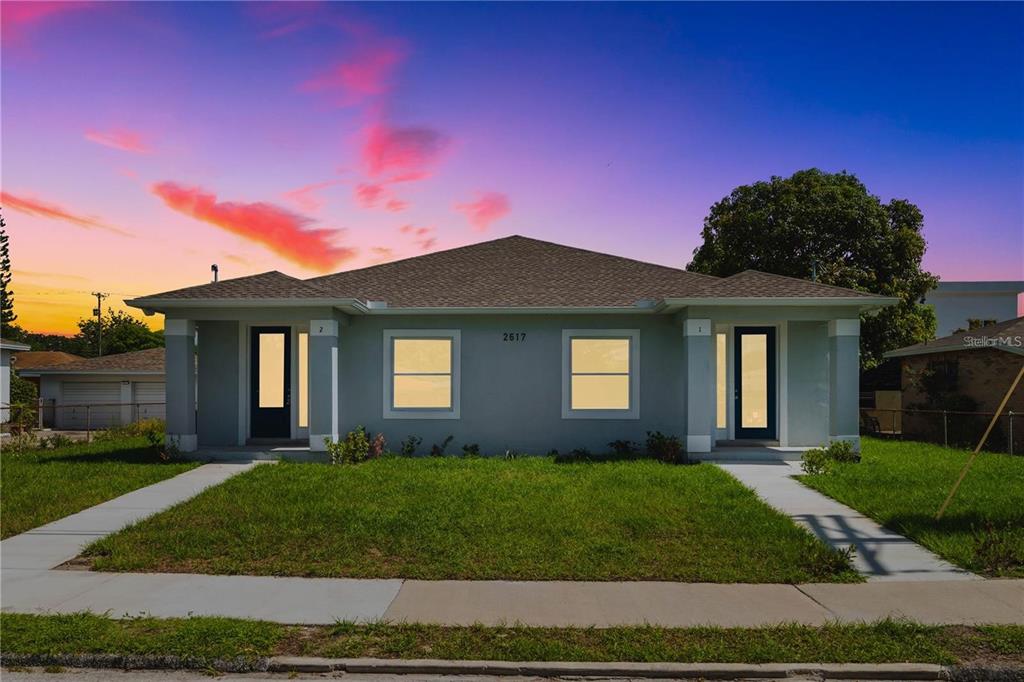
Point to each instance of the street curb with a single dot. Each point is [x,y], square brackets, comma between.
[707,671]
[710,671]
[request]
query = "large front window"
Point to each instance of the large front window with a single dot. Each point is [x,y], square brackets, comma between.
[422,375]
[600,374]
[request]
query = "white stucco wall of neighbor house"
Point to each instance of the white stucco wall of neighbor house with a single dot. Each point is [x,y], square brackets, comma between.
[6,349]
[956,302]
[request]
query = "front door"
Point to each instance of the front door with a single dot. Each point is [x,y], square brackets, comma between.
[755,382]
[270,389]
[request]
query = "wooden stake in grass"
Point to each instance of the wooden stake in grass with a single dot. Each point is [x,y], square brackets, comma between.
[984,437]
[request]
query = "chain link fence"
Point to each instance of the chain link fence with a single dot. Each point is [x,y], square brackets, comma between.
[950,428]
[84,417]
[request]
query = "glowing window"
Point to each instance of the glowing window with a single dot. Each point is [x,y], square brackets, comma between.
[720,404]
[271,370]
[421,373]
[303,379]
[600,374]
[754,382]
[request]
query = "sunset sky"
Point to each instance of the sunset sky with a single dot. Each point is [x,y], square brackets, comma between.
[142,142]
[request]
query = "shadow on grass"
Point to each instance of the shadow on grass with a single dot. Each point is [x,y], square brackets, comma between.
[140,455]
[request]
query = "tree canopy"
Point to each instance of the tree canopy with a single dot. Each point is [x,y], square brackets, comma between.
[121,333]
[828,224]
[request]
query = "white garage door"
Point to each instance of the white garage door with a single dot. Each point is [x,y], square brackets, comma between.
[148,397]
[102,398]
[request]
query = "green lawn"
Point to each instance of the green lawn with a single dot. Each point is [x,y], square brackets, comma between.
[203,641]
[39,486]
[453,518]
[902,484]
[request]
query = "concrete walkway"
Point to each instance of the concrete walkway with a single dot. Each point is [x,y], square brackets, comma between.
[28,584]
[881,553]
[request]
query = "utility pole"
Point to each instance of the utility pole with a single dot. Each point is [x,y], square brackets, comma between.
[98,312]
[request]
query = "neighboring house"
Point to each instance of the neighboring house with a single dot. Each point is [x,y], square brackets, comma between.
[957,302]
[513,344]
[7,349]
[977,365]
[40,359]
[101,392]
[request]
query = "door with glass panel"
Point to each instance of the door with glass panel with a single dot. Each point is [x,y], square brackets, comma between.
[270,390]
[754,379]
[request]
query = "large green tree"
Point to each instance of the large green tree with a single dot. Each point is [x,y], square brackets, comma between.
[828,224]
[121,333]
[7,315]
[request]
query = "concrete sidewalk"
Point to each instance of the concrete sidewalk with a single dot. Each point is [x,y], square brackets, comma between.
[880,553]
[29,584]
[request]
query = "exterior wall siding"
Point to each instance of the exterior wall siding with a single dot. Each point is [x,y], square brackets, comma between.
[217,358]
[511,390]
[808,387]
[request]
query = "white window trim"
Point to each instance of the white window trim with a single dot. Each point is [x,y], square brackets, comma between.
[389,410]
[634,373]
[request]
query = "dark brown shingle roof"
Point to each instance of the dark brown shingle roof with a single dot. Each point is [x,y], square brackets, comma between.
[42,359]
[1008,336]
[511,272]
[151,360]
[755,284]
[271,284]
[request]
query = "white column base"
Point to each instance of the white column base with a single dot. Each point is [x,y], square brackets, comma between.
[317,444]
[185,442]
[698,443]
[854,440]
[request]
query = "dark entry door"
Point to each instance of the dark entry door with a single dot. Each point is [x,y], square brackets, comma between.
[270,390]
[755,393]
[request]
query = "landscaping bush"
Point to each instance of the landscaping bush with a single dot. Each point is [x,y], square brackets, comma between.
[668,449]
[438,450]
[625,449]
[356,447]
[822,460]
[471,450]
[151,429]
[409,446]
[574,456]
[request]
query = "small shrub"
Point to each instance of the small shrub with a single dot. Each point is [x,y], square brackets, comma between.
[624,448]
[553,452]
[438,450]
[471,450]
[820,461]
[150,429]
[512,454]
[668,449]
[57,440]
[378,446]
[409,445]
[20,442]
[574,456]
[353,449]
[825,562]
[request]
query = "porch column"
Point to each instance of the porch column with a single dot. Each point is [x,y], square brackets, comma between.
[180,377]
[844,381]
[699,382]
[323,383]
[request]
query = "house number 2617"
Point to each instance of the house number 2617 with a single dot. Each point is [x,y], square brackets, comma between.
[514,336]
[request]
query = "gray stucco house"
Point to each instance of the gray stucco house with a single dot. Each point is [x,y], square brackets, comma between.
[513,344]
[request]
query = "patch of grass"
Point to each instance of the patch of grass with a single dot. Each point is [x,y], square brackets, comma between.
[204,640]
[40,486]
[474,519]
[901,484]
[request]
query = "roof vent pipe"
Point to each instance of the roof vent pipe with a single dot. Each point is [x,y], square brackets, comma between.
[215,271]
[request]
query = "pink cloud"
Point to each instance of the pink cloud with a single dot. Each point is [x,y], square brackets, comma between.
[278,229]
[407,152]
[488,207]
[367,194]
[42,209]
[305,197]
[396,205]
[19,17]
[367,73]
[423,237]
[124,140]
[382,254]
